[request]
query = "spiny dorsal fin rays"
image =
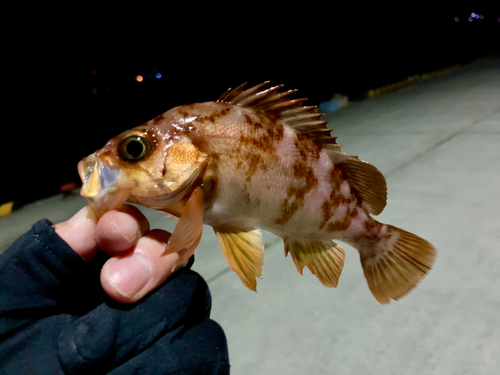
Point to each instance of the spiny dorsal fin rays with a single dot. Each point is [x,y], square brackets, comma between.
[274,98]
[290,111]
[304,118]
[295,112]
[230,94]
[257,98]
[242,95]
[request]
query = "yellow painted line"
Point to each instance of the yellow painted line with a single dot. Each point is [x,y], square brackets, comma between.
[6,208]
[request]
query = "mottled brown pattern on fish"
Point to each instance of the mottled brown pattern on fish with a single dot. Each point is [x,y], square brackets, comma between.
[255,159]
[326,207]
[306,147]
[214,116]
[251,122]
[190,110]
[246,197]
[340,225]
[354,213]
[158,119]
[183,112]
[296,193]
[369,225]
[266,117]
[200,142]
[265,142]
[374,231]
[335,200]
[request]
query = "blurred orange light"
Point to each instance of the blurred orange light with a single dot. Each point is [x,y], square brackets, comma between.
[139,78]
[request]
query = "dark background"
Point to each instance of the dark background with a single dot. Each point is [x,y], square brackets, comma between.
[70,72]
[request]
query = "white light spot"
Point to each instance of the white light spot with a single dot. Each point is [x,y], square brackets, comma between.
[344,188]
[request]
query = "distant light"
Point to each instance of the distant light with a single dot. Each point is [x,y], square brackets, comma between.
[456,19]
[158,75]
[470,19]
[139,79]
[94,91]
[93,72]
[148,76]
[481,16]
[498,19]
[473,14]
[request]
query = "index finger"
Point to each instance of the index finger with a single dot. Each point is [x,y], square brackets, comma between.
[120,229]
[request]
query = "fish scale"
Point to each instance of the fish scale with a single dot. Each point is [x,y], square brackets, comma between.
[256,159]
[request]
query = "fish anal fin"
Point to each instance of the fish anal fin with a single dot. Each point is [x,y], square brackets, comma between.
[396,263]
[325,259]
[366,181]
[244,252]
[188,231]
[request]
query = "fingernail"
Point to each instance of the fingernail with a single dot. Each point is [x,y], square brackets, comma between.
[129,275]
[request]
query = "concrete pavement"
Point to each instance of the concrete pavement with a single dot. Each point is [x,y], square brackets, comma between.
[438,144]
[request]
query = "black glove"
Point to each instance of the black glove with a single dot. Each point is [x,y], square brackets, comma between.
[55,318]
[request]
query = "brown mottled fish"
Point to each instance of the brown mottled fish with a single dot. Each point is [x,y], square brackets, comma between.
[258,159]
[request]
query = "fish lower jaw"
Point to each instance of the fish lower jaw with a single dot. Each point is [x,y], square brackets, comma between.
[107,202]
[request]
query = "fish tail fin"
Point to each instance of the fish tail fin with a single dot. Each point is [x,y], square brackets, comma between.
[325,259]
[394,261]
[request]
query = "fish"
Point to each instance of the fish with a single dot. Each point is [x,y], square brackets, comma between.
[255,160]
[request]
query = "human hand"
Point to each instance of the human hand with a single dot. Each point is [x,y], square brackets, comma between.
[54,317]
[137,264]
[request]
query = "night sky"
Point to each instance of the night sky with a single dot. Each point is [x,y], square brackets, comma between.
[71,76]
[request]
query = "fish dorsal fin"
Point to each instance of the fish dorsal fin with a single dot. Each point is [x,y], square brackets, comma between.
[291,111]
[367,182]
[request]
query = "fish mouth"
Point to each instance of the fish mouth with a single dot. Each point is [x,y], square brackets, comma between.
[104,187]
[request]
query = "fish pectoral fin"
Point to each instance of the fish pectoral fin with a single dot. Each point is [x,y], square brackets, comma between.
[395,265]
[188,231]
[244,252]
[325,259]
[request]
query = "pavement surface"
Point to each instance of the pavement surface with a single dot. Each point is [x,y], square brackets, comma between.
[438,144]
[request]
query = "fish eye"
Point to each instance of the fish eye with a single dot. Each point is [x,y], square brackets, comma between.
[133,148]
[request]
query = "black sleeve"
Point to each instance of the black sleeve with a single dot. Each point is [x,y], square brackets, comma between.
[55,318]
[40,276]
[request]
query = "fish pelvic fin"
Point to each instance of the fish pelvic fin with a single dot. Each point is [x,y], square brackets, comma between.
[395,262]
[188,231]
[244,252]
[325,259]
